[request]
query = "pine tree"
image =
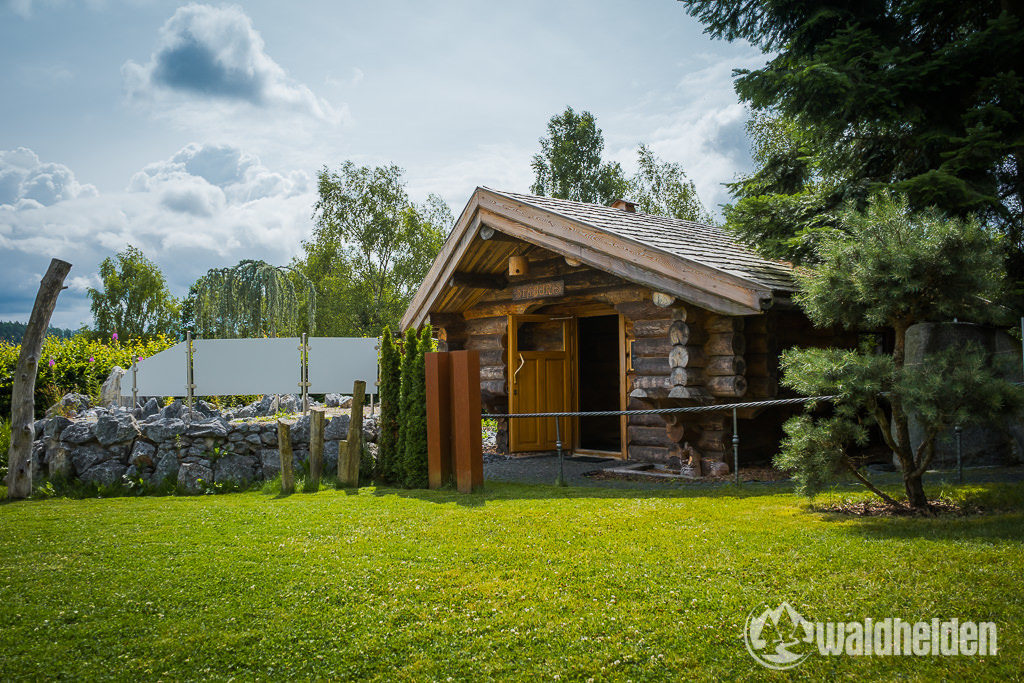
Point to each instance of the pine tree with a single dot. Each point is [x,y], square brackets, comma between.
[890,268]
[415,456]
[390,399]
[405,402]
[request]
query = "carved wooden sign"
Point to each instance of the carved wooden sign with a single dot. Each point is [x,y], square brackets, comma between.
[538,290]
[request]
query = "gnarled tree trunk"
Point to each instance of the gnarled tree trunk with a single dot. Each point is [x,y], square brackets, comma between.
[19,460]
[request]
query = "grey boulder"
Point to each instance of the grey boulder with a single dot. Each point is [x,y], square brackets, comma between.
[106,473]
[143,455]
[163,429]
[88,456]
[270,460]
[237,469]
[166,468]
[77,432]
[300,431]
[151,408]
[193,477]
[337,428]
[215,428]
[119,427]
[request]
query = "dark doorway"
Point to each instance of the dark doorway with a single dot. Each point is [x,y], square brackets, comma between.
[598,372]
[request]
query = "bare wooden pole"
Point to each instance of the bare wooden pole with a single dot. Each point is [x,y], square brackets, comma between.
[348,467]
[316,446]
[284,446]
[19,456]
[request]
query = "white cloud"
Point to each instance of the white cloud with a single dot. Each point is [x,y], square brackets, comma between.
[26,182]
[214,53]
[206,206]
[699,124]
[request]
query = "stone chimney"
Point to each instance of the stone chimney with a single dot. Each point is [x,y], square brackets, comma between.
[628,206]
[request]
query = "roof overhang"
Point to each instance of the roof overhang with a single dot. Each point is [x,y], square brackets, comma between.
[687,280]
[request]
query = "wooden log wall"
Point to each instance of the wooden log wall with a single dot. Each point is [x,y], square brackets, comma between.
[723,352]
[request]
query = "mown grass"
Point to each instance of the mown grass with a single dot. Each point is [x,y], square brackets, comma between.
[520,582]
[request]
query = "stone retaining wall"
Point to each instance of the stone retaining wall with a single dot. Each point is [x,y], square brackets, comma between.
[107,446]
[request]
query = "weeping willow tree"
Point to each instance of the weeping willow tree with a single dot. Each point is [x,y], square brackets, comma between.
[251,299]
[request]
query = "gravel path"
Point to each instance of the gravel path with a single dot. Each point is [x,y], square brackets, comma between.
[543,469]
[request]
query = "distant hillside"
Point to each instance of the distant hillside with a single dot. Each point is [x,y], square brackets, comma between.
[14,331]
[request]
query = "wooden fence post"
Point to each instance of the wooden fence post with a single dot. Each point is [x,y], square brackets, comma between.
[348,467]
[19,474]
[316,446]
[284,446]
[439,419]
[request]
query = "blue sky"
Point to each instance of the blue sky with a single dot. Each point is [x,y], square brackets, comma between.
[194,131]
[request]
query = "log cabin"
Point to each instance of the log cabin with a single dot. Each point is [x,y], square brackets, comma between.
[584,307]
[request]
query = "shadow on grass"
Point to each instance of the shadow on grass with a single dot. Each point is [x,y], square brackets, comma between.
[996,513]
[503,491]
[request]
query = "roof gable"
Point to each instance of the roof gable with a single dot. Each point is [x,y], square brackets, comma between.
[699,264]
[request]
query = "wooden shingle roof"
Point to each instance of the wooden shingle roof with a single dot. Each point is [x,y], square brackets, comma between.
[699,264]
[708,244]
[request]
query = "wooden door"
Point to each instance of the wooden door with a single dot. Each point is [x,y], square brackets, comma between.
[540,379]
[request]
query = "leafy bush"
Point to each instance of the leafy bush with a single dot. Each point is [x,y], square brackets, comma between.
[76,365]
[5,444]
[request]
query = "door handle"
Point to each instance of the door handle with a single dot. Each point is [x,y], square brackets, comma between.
[515,375]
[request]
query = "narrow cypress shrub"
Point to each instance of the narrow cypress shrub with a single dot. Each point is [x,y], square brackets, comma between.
[416,475]
[405,404]
[390,398]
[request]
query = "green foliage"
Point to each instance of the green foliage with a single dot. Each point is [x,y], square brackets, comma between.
[406,397]
[251,299]
[12,331]
[888,268]
[569,164]
[134,301]
[921,96]
[414,409]
[388,453]
[662,188]
[177,588]
[5,445]
[79,365]
[370,249]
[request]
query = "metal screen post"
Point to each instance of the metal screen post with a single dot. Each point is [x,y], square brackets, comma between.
[304,373]
[736,447]
[135,384]
[959,454]
[558,445]
[189,378]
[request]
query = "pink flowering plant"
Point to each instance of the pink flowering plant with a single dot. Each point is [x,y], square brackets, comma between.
[75,365]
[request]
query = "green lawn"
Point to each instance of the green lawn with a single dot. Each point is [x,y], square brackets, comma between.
[522,582]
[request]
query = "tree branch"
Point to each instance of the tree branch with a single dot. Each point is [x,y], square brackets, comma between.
[871,487]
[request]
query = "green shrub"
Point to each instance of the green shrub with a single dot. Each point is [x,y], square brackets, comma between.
[76,365]
[415,384]
[405,403]
[390,398]
[5,444]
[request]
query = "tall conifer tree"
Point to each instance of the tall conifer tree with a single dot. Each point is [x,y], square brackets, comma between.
[390,397]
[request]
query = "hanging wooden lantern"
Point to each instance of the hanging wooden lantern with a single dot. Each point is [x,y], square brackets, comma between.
[518,265]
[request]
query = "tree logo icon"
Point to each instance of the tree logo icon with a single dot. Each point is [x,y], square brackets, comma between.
[778,638]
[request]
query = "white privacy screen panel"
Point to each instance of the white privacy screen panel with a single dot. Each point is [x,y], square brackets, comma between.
[224,367]
[336,362]
[163,374]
